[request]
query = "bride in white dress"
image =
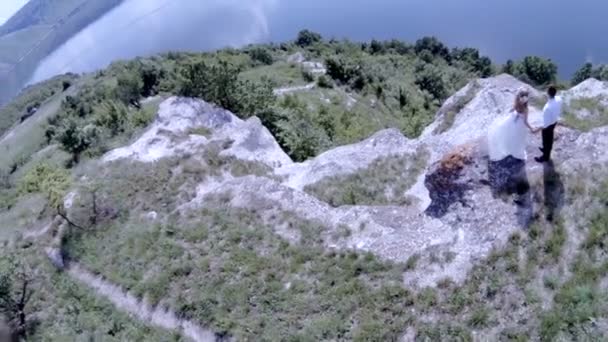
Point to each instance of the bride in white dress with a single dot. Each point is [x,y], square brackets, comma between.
[507,135]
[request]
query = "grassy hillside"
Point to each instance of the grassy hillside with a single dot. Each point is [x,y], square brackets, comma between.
[225,268]
[35,31]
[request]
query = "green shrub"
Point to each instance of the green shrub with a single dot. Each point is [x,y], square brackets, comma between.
[261,55]
[429,78]
[34,95]
[129,89]
[76,139]
[220,84]
[51,181]
[325,82]
[433,46]
[307,75]
[582,74]
[307,38]
[113,117]
[536,70]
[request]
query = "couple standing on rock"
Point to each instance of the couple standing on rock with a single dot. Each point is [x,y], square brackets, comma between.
[507,135]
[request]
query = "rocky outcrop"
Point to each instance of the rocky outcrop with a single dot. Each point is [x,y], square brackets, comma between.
[485,100]
[467,204]
[310,66]
[347,159]
[174,132]
[591,88]
[588,100]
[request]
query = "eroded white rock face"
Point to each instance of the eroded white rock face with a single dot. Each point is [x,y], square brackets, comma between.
[468,228]
[177,117]
[347,159]
[592,91]
[587,89]
[493,97]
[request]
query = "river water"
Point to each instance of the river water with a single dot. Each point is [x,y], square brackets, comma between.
[568,32]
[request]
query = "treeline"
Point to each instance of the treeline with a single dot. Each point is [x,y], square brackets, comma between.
[588,71]
[402,85]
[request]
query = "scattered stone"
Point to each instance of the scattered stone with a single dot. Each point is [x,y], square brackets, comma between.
[152,216]
[56,257]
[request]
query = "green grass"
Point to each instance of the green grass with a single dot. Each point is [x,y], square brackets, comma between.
[226,268]
[384,182]
[77,314]
[598,114]
[242,279]
[491,296]
[32,96]
[281,74]
[28,137]
[19,213]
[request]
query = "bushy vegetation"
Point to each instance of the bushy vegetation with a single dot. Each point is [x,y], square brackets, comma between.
[534,70]
[384,182]
[52,182]
[220,84]
[31,98]
[227,268]
[587,71]
[106,110]
[398,85]
[246,282]
[77,314]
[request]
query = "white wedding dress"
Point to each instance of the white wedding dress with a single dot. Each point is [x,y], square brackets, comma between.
[507,136]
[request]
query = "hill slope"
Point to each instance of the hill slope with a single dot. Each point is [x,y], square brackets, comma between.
[35,31]
[201,221]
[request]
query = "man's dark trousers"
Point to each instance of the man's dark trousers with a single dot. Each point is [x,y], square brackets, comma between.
[548,141]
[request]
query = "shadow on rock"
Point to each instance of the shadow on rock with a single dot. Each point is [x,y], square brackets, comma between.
[449,179]
[509,177]
[553,191]
[466,169]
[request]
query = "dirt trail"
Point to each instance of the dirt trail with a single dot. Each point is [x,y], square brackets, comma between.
[287,90]
[128,303]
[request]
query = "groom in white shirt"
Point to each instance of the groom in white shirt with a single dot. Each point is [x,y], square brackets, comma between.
[551,114]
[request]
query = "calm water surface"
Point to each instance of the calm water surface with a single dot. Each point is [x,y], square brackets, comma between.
[568,32]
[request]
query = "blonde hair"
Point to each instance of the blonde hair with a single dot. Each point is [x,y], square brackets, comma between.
[519,105]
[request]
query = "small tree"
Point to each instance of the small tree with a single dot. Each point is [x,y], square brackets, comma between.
[376,47]
[16,291]
[434,46]
[220,84]
[343,70]
[603,73]
[261,55]
[431,80]
[325,82]
[306,38]
[509,67]
[113,117]
[582,74]
[538,70]
[65,85]
[75,139]
[129,89]
[483,67]
[150,80]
